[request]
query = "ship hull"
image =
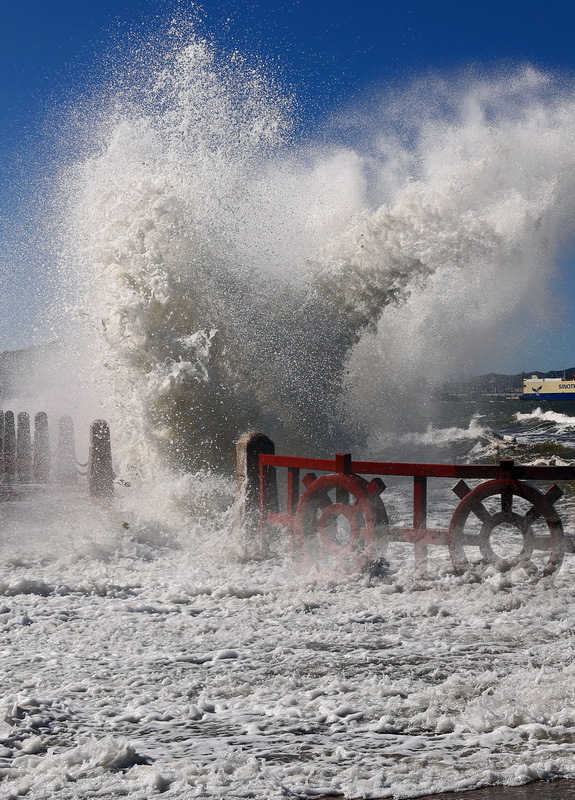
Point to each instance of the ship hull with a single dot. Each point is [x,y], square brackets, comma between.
[554,396]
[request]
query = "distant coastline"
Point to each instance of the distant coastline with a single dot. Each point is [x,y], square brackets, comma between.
[494,384]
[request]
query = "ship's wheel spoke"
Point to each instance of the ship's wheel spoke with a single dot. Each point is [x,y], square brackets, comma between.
[507,498]
[480,511]
[531,516]
[462,490]
[497,544]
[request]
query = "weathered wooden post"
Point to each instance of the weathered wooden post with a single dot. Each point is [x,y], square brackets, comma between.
[1,445]
[9,447]
[100,472]
[41,455]
[66,459]
[248,449]
[24,449]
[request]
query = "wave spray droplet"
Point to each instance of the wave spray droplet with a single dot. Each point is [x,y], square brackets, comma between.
[235,279]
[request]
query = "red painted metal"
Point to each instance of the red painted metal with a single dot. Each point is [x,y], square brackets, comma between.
[312,516]
[420,502]
[484,471]
[357,501]
[472,503]
[420,521]
[293,490]
[343,463]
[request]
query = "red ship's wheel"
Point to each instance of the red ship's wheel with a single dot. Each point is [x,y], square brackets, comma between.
[342,517]
[514,522]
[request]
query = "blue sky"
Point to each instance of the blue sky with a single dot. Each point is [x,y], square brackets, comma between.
[327,54]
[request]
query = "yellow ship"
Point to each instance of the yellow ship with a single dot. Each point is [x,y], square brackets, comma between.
[536,388]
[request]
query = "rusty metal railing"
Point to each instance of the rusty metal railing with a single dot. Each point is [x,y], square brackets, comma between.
[315,507]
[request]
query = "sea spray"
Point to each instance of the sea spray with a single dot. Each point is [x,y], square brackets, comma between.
[468,246]
[205,333]
[238,279]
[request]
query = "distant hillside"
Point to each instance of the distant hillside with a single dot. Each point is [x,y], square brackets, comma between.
[14,363]
[494,383]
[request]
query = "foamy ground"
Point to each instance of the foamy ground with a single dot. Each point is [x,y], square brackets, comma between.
[134,670]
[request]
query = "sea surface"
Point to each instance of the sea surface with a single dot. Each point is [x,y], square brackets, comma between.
[479,430]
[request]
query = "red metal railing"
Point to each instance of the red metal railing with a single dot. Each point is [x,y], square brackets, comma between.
[309,505]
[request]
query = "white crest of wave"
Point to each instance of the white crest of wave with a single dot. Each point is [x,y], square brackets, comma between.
[446,436]
[562,421]
[236,279]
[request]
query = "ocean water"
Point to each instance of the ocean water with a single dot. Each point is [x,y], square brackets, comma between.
[218,273]
[481,430]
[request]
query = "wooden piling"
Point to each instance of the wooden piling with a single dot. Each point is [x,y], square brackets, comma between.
[41,454]
[9,447]
[247,504]
[100,471]
[1,445]
[24,448]
[66,472]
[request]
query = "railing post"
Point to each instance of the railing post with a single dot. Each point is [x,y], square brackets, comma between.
[100,471]
[250,497]
[24,449]
[66,465]
[9,447]
[41,448]
[343,464]
[420,521]
[506,469]
[292,498]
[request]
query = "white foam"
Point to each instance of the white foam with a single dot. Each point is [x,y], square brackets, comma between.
[447,436]
[562,422]
[237,679]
